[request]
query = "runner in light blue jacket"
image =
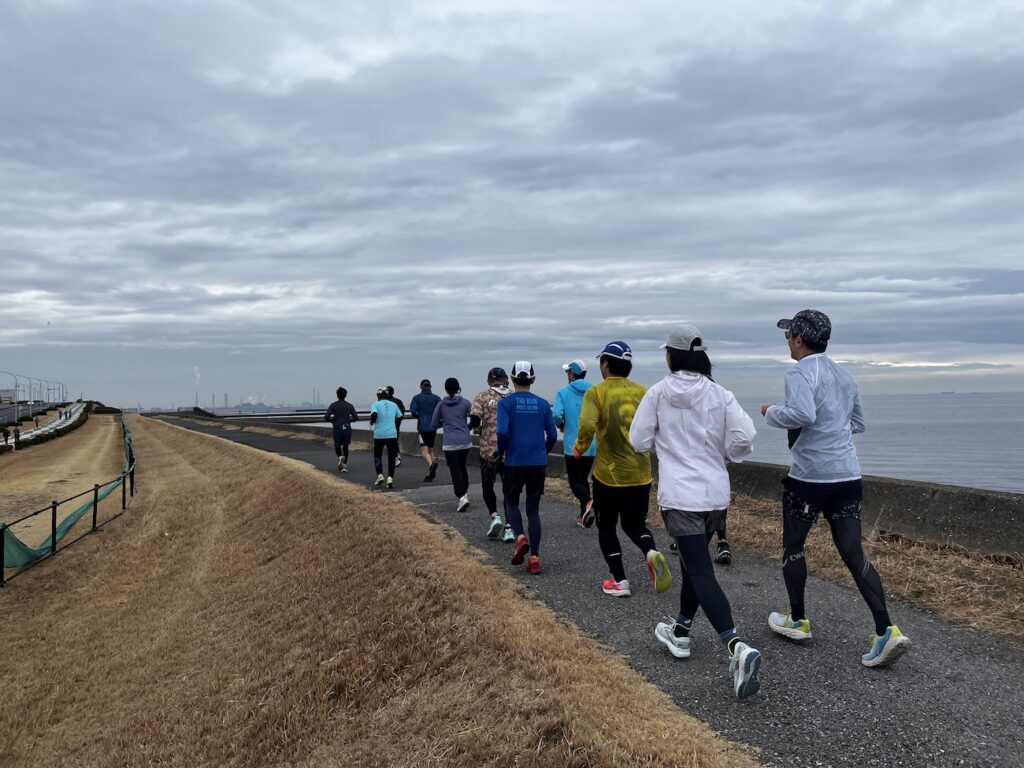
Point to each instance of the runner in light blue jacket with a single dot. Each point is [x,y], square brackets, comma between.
[568,404]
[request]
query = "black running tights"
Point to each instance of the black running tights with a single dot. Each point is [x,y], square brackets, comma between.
[627,504]
[846,535]
[490,471]
[700,587]
[379,445]
[456,461]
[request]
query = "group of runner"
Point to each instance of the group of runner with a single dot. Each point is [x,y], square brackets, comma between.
[696,427]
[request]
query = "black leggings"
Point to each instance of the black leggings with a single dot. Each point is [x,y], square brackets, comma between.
[626,503]
[379,444]
[577,472]
[491,470]
[798,519]
[456,461]
[700,587]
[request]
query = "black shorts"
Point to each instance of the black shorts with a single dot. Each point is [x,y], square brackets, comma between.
[517,478]
[805,501]
[427,439]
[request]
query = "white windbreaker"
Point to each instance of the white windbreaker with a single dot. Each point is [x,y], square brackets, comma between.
[695,426]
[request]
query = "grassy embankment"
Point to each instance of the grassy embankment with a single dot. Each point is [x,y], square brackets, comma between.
[250,610]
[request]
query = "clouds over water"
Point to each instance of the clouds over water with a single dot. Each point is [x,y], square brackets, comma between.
[451,185]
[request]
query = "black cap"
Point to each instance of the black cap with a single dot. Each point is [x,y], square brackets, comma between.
[809,324]
[496,373]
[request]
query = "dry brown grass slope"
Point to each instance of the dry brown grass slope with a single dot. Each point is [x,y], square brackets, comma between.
[252,611]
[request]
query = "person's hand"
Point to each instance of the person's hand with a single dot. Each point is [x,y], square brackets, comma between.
[576,453]
[764,408]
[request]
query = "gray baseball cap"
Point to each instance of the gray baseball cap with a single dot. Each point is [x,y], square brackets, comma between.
[686,337]
[809,324]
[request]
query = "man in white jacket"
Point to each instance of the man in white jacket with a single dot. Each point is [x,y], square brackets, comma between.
[696,426]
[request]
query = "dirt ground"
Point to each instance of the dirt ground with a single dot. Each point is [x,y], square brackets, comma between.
[32,478]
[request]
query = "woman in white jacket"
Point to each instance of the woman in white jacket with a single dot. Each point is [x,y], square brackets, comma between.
[695,427]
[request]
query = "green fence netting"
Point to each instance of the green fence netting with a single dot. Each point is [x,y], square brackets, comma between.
[17,553]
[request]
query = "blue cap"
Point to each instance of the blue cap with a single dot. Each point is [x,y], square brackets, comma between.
[619,349]
[577,367]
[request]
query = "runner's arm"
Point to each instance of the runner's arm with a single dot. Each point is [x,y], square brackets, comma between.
[739,431]
[503,427]
[645,423]
[799,410]
[549,428]
[588,421]
[857,424]
[559,410]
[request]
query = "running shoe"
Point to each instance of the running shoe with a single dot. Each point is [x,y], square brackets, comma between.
[783,624]
[391,483]
[579,521]
[677,646]
[432,472]
[341,462]
[522,547]
[744,664]
[398,460]
[507,535]
[724,556]
[494,529]
[616,588]
[463,504]
[379,482]
[344,468]
[885,649]
[533,565]
[588,514]
[428,478]
[657,566]
[673,547]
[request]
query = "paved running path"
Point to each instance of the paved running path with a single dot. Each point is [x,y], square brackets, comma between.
[955,700]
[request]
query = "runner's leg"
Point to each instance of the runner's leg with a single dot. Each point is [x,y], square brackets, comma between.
[846,533]
[607,518]
[797,520]
[633,513]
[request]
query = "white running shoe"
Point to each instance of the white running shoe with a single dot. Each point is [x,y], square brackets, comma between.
[744,664]
[783,624]
[379,482]
[463,504]
[494,529]
[677,646]
[341,462]
[507,536]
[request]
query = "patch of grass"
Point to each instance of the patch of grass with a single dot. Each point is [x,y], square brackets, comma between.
[250,610]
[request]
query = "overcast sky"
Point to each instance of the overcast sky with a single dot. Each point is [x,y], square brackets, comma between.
[267,198]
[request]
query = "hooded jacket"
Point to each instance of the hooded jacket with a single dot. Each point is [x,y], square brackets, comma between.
[696,426]
[568,404]
[452,415]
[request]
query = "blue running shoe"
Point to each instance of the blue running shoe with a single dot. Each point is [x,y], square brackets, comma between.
[744,664]
[885,649]
[494,529]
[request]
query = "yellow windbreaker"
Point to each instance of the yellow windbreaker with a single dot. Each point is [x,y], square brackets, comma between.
[608,410]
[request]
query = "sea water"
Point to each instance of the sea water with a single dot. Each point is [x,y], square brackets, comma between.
[974,440]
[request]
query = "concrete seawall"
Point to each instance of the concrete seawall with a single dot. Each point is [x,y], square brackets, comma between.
[983,521]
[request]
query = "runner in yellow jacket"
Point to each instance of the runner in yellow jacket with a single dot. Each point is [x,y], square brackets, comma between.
[622,477]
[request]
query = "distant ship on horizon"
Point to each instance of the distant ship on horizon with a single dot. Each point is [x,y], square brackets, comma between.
[951,392]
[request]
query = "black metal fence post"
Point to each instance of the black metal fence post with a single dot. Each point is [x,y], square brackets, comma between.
[53,528]
[3,542]
[124,494]
[95,503]
[133,479]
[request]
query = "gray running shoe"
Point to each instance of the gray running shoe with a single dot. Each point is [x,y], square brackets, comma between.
[677,646]
[744,664]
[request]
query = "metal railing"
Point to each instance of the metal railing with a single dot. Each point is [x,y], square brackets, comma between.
[127,482]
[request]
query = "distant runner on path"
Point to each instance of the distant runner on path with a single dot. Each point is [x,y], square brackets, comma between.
[622,477]
[452,415]
[483,417]
[398,421]
[421,408]
[568,404]
[822,412]
[696,426]
[384,418]
[526,434]
[341,414]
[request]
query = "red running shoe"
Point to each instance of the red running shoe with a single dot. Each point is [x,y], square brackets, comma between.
[522,547]
[616,588]
[533,564]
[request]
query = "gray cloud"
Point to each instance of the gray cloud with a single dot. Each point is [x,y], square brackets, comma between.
[287,196]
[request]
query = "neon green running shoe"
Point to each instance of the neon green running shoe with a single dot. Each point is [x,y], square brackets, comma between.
[885,649]
[783,624]
[657,566]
